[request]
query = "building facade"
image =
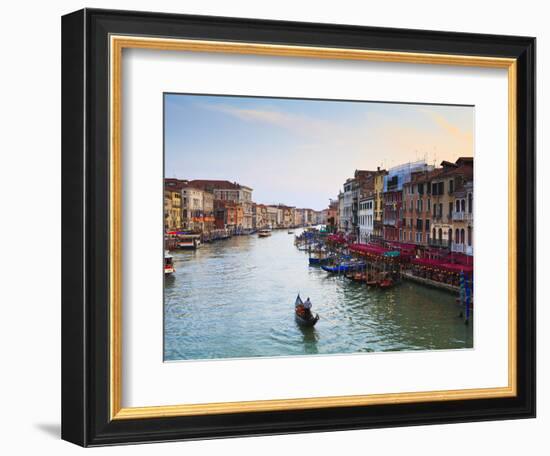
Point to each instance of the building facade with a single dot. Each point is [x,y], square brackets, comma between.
[463,219]
[366,218]
[449,178]
[172,209]
[230,191]
[394,221]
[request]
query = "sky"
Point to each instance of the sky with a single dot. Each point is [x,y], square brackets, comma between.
[300,152]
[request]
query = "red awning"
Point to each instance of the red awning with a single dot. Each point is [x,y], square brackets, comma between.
[337,238]
[442,265]
[368,249]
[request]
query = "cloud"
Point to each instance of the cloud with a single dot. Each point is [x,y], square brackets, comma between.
[308,126]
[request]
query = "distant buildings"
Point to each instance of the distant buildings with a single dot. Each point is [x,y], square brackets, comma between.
[413,203]
[202,205]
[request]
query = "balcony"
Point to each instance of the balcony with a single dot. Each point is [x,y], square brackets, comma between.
[458,248]
[438,243]
[462,216]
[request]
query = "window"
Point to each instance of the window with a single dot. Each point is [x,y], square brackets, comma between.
[462,236]
[463,205]
[470,203]
[457,206]
[451,186]
[429,208]
[419,224]
[420,189]
[469,236]
[450,209]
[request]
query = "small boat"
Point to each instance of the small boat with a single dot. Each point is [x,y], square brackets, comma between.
[290,232]
[343,267]
[306,322]
[315,261]
[264,233]
[168,263]
[304,317]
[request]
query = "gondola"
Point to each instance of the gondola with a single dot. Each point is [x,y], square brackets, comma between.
[300,314]
[306,322]
[315,261]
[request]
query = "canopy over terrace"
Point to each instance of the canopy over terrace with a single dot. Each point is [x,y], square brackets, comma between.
[369,249]
[337,239]
[443,265]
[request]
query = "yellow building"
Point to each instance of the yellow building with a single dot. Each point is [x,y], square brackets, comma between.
[172,209]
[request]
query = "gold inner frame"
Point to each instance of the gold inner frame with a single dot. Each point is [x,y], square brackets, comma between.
[117,44]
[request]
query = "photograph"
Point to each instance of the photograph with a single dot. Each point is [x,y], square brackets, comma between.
[302,227]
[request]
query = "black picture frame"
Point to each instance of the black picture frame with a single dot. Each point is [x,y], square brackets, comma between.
[85,227]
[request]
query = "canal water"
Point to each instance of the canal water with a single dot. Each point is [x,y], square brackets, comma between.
[235,299]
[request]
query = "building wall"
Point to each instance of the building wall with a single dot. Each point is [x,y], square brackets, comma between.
[463,220]
[366,219]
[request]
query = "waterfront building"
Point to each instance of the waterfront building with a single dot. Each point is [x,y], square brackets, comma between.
[298,217]
[208,220]
[224,190]
[463,219]
[228,215]
[320,217]
[272,216]
[333,214]
[417,202]
[192,210]
[451,176]
[366,218]
[393,215]
[285,216]
[361,184]
[172,209]
[260,219]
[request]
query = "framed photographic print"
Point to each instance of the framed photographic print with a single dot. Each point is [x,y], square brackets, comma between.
[268,227]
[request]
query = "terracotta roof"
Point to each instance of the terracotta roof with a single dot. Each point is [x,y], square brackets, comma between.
[216,184]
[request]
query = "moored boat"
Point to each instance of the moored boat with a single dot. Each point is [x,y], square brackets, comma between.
[316,261]
[189,242]
[264,233]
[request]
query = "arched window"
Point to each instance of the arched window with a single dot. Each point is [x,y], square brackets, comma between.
[450,236]
[457,206]
[440,234]
[470,236]
[457,236]
[470,209]
[463,205]
[433,234]
[462,236]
